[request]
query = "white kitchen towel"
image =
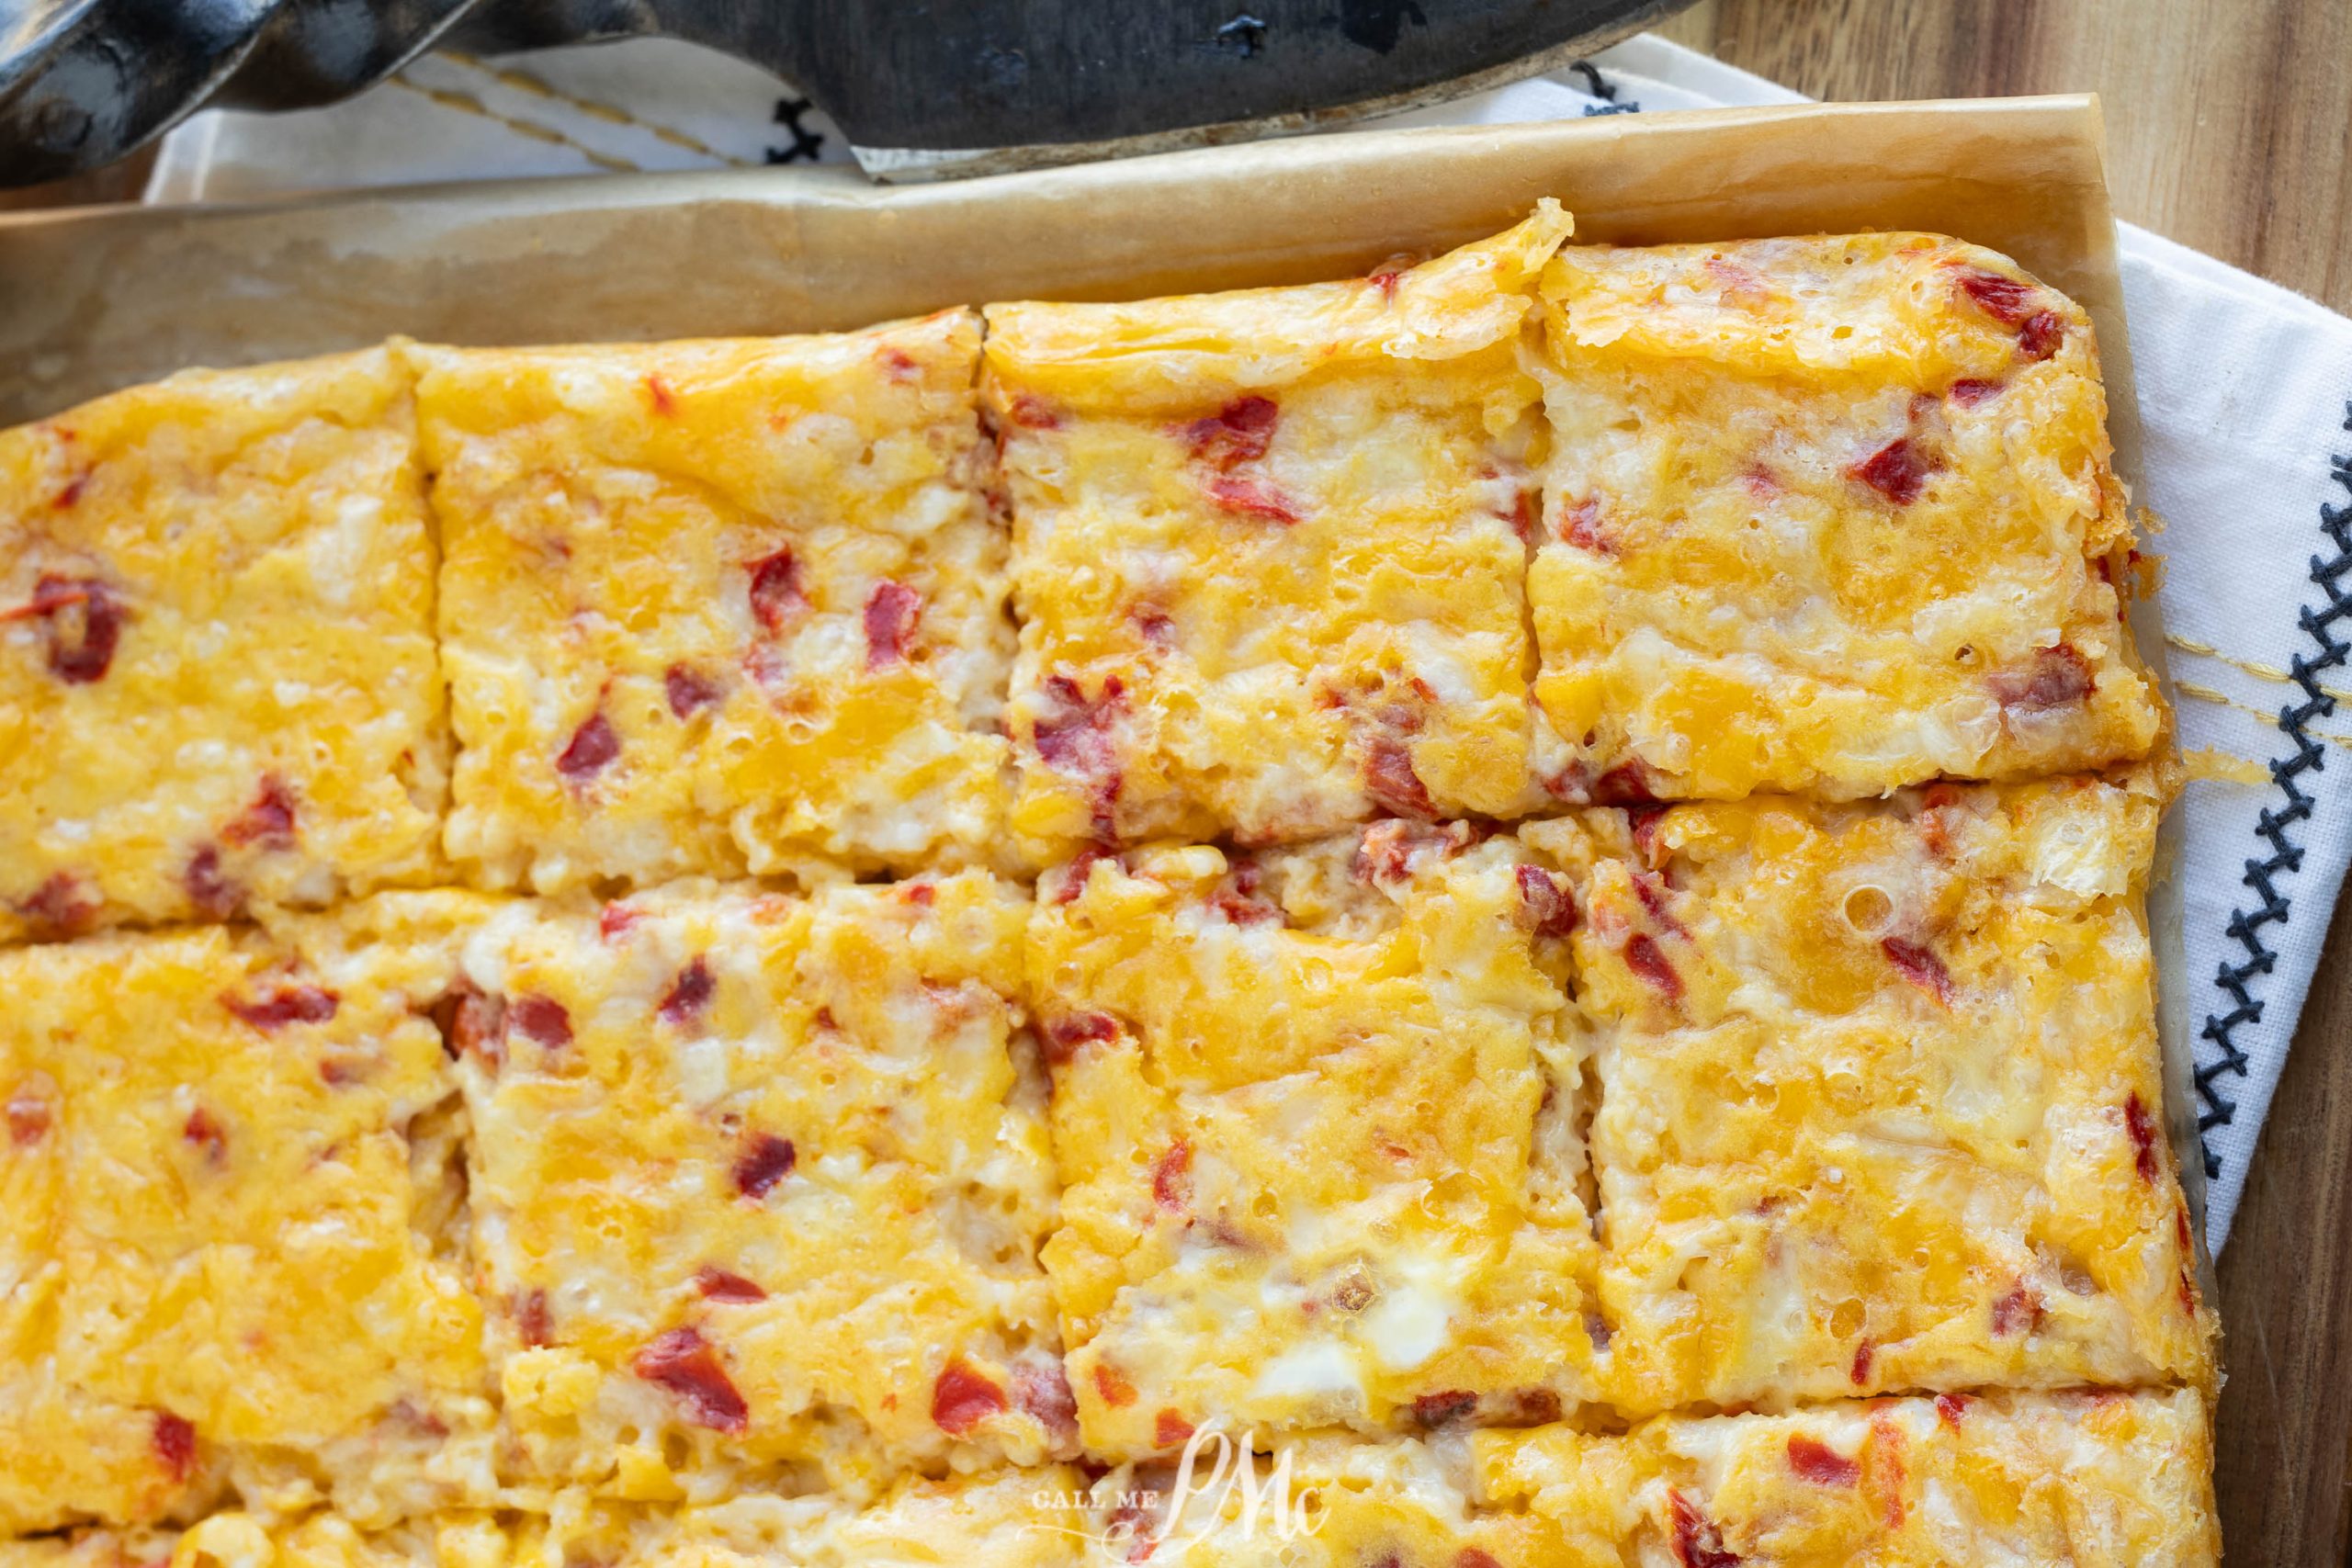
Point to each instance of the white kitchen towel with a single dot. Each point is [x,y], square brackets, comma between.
[2245,390]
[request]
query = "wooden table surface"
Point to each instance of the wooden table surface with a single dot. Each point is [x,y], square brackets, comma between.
[2227,122]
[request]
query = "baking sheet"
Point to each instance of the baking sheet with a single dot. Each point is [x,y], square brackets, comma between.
[91,301]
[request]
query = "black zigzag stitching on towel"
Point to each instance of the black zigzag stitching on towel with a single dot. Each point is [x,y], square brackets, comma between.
[2277,822]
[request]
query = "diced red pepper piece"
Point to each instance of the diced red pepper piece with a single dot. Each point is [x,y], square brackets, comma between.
[282,1005]
[214,895]
[1646,959]
[1920,966]
[1697,1542]
[1952,1408]
[592,748]
[1390,780]
[1239,433]
[2142,1128]
[207,1134]
[891,611]
[2019,1310]
[684,1362]
[766,1160]
[1897,470]
[1251,498]
[540,1019]
[1865,1355]
[1821,1464]
[1045,1392]
[689,995]
[174,1438]
[688,689]
[1431,1411]
[963,1398]
[1170,1429]
[2059,675]
[1171,1176]
[1551,908]
[60,907]
[776,598]
[719,1284]
[1116,1390]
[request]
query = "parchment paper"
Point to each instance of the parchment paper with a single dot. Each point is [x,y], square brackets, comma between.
[90,302]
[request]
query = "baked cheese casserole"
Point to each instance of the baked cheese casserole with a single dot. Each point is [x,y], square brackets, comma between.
[1486,917]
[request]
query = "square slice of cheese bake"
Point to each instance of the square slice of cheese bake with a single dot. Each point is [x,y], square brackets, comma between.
[232,1248]
[1317,1118]
[2093,1480]
[718,607]
[218,683]
[1879,1103]
[1270,549]
[760,1184]
[1830,515]
[1030,1517]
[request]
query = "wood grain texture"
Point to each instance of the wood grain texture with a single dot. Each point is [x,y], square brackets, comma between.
[2227,122]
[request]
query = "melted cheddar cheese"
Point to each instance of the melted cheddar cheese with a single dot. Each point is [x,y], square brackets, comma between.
[758,1185]
[218,682]
[244,1540]
[1879,1097]
[1021,1519]
[232,1236]
[1269,551]
[1316,1115]
[718,607]
[1828,514]
[2096,1480]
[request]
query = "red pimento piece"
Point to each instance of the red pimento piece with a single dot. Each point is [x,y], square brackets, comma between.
[2142,1128]
[1952,1408]
[284,1004]
[28,1116]
[684,1362]
[962,1399]
[1390,780]
[1251,498]
[1170,1429]
[532,1324]
[1627,784]
[1385,280]
[1471,1557]
[1821,1464]
[616,917]
[1116,1390]
[689,690]
[1968,391]
[665,402]
[776,597]
[214,895]
[900,365]
[1044,1391]
[1525,513]
[1032,413]
[1171,1176]
[2019,1310]
[690,993]
[1431,1411]
[2043,332]
[173,1441]
[83,626]
[471,1025]
[2059,675]
[2006,300]
[1238,902]
[1651,889]
[1643,821]
[540,1019]
[1065,1036]
[719,1284]
[891,611]
[70,496]
[1865,1354]
[1645,958]
[766,1160]
[1551,908]
[1896,470]
[1077,741]
[1581,525]
[1239,433]
[1920,966]
[1697,1542]
[592,749]
[208,1134]
[269,823]
[60,907]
